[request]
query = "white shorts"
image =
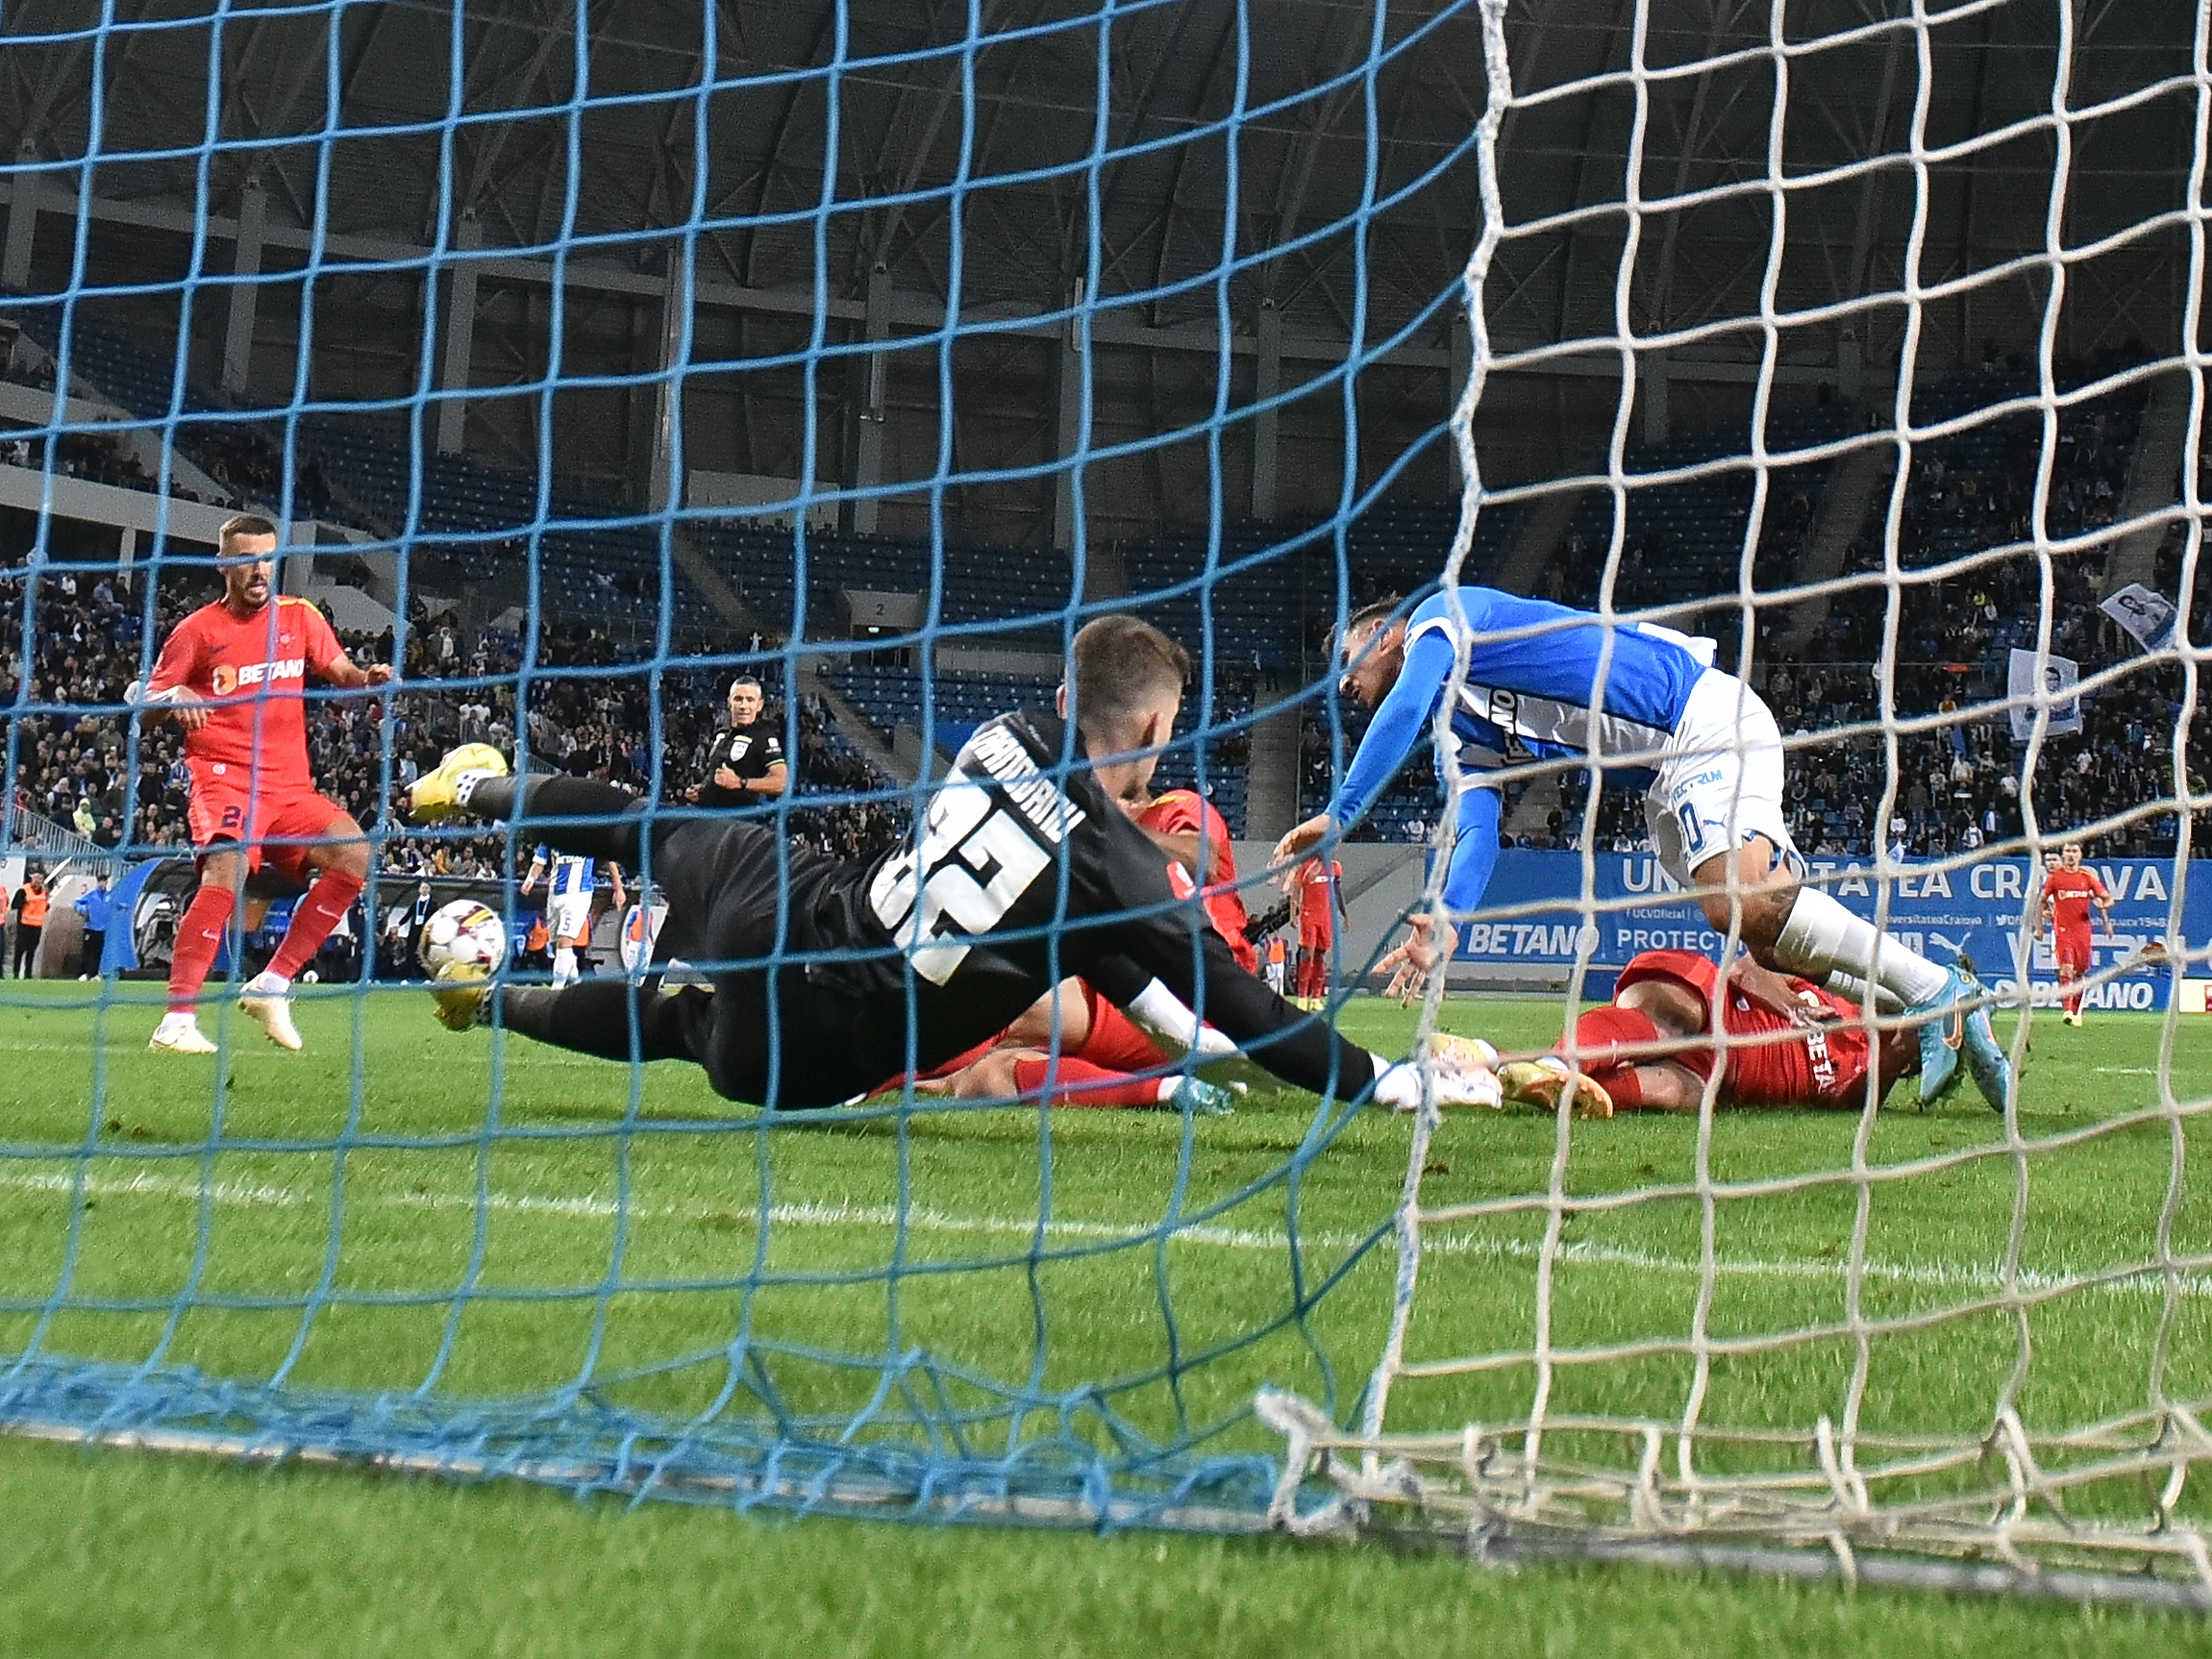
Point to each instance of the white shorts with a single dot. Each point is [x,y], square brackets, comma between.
[1720,780]
[567,916]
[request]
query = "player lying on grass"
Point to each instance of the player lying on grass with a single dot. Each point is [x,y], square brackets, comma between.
[1641,704]
[829,977]
[1787,1043]
[1086,1050]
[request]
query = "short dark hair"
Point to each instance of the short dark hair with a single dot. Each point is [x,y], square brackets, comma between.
[1380,611]
[244,524]
[1121,666]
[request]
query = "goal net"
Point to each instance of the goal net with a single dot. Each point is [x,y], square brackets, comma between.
[588,370]
[1953,1350]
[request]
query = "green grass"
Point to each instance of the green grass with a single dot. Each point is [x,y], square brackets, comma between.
[322,1217]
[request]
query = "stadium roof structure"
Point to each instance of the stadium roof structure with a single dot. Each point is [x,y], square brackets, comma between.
[1304,170]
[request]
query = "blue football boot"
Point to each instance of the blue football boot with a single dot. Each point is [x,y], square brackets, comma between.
[1942,1035]
[1992,1070]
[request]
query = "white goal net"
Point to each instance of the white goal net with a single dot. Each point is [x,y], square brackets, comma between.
[1956,548]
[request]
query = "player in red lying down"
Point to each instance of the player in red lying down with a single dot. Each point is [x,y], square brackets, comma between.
[1791,1044]
[1102,1056]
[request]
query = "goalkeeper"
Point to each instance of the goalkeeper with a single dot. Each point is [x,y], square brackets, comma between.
[829,977]
[1638,701]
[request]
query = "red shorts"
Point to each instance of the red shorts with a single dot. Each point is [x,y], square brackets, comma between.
[1116,1042]
[1699,972]
[226,808]
[1688,968]
[1316,942]
[2077,953]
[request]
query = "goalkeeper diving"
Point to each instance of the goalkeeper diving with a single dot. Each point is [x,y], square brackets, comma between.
[829,977]
[1642,705]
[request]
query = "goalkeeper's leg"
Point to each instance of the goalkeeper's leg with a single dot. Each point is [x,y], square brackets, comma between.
[610,1019]
[593,819]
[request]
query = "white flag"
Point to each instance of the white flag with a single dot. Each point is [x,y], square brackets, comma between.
[2054,685]
[2144,614]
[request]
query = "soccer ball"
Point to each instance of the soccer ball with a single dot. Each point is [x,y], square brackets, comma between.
[462,934]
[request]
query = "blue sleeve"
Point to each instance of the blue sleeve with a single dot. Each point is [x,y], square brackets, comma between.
[1401,721]
[1474,850]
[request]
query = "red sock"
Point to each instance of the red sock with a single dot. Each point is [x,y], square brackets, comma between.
[1080,1083]
[1622,1083]
[199,936]
[312,919]
[1599,1033]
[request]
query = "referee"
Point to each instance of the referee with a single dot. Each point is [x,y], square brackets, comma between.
[745,760]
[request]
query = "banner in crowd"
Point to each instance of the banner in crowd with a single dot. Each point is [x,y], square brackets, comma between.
[1975,908]
[2053,679]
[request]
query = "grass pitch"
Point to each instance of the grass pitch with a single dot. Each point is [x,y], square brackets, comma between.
[402,1209]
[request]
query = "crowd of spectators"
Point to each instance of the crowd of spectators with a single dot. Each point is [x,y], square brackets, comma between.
[75,757]
[1959,783]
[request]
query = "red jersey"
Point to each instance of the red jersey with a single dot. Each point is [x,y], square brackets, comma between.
[1824,1065]
[1185,812]
[2067,893]
[1317,899]
[252,671]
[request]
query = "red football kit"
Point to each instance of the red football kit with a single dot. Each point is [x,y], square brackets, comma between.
[1186,812]
[1823,1065]
[2070,893]
[1317,902]
[251,778]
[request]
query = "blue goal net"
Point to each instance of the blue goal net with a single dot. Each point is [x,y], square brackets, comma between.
[713,429]
[582,371]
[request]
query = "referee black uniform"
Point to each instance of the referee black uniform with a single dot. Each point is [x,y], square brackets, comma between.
[750,751]
[833,978]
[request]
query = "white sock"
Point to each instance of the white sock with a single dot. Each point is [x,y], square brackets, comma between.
[179,1018]
[1163,1014]
[1849,985]
[565,965]
[268,984]
[1822,936]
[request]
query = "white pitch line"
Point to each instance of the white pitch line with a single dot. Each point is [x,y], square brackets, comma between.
[2147,1282]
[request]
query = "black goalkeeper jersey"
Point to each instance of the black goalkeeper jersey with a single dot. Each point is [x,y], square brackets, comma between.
[1021,872]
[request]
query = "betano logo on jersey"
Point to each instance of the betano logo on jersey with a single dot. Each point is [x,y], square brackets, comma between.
[246,676]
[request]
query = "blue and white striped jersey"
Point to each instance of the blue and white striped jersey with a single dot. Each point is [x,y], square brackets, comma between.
[569,875]
[1540,684]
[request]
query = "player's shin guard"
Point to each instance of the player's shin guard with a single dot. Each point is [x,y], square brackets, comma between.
[564,965]
[199,937]
[312,919]
[1080,1083]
